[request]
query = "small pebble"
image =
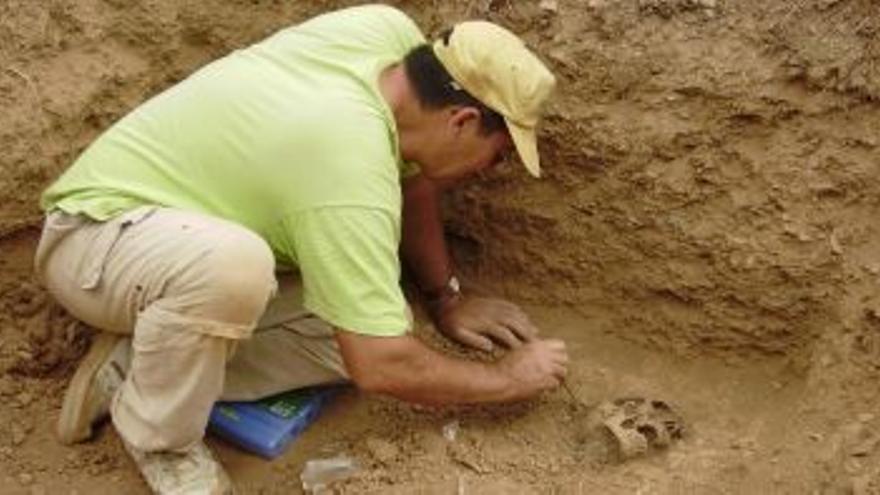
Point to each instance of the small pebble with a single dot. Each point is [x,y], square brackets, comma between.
[25,479]
[18,435]
[450,430]
[852,466]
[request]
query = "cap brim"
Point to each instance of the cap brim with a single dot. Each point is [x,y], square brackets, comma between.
[526,143]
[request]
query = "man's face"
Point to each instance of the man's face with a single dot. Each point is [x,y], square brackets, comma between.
[461,149]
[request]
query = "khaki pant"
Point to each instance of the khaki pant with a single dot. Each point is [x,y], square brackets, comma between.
[199,298]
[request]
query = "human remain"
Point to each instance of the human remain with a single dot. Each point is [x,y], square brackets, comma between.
[323,150]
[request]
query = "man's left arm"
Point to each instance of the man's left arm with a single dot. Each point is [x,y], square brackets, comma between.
[475,321]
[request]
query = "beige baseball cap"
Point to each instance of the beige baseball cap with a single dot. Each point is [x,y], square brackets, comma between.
[494,66]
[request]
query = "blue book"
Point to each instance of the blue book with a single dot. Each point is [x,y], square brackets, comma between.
[267,427]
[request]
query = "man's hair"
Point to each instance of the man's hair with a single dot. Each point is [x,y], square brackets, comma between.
[435,88]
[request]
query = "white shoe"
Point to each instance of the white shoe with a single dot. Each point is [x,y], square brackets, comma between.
[98,377]
[191,472]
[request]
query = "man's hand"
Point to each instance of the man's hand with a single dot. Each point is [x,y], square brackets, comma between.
[536,366]
[483,322]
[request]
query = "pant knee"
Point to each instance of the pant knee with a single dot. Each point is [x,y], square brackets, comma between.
[240,278]
[227,283]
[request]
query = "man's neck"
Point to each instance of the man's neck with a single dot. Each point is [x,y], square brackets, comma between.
[413,122]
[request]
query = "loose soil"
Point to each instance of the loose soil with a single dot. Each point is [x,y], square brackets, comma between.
[705,234]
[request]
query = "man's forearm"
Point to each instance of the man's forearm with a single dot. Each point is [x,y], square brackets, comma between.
[423,244]
[409,370]
[434,378]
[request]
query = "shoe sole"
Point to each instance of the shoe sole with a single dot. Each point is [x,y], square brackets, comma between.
[73,424]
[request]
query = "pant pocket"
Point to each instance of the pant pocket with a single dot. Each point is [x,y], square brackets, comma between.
[55,228]
[93,270]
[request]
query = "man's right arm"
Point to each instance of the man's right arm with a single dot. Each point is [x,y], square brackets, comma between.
[348,260]
[405,368]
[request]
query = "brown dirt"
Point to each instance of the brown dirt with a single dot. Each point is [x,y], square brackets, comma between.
[705,233]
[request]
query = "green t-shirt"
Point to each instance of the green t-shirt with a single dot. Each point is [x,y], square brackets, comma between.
[291,138]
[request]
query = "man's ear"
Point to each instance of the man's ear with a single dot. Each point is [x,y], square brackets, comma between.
[463,116]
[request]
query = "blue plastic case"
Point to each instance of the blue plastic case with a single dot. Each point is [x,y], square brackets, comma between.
[268,426]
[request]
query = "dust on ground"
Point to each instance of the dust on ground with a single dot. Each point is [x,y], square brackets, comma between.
[705,233]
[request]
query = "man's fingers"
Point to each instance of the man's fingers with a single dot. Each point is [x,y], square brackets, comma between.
[555,345]
[561,360]
[522,327]
[560,371]
[556,355]
[562,367]
[560,355]
[555,382]
[474,340]
[505,336]
[515,319]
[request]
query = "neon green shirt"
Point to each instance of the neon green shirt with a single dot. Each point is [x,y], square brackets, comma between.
[290,138]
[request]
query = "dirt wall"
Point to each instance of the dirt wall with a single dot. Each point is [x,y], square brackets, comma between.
[711,172]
